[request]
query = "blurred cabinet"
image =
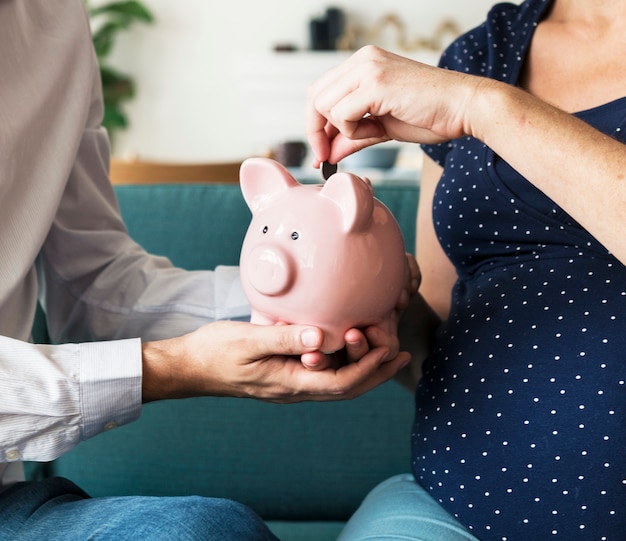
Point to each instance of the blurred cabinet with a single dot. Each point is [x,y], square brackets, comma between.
[272,87]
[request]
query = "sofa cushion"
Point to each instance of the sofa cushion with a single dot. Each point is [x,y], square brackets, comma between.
[196,226]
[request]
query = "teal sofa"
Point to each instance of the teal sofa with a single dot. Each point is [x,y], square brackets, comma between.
[305,467]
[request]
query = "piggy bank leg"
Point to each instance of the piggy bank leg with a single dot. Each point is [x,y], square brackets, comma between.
[333,341]
[261,319]
[385,325]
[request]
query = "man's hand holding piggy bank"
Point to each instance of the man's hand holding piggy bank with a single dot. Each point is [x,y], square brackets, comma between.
[327,255]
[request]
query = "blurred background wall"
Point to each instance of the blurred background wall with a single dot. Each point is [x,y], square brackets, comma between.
[210,87]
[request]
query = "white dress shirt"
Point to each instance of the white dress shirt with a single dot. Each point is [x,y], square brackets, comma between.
[62,240]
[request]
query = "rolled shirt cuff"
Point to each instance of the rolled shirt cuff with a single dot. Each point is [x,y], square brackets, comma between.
[110,384]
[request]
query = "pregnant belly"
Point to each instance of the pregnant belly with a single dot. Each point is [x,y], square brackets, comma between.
[520,415]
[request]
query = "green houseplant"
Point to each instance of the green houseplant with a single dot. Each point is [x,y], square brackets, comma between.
[108,19]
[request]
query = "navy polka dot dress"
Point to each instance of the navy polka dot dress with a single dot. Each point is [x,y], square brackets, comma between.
[520,427]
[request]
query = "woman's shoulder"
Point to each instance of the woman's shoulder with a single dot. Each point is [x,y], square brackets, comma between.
[506,29]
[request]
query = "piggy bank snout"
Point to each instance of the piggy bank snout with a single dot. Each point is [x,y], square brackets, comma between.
[270,270]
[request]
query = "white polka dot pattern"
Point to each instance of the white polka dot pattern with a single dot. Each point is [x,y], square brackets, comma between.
[520,416]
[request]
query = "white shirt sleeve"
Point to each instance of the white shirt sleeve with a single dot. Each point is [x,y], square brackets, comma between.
[55,396]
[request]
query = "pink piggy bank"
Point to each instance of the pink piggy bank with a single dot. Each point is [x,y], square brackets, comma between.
[327,255]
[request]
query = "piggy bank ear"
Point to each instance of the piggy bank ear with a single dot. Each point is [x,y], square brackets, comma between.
[260,177]
[355,198]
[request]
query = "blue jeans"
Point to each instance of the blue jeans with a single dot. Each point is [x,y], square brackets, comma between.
[57,509]
[400,509]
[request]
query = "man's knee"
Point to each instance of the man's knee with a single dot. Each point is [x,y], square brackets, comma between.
[32,509]
[194,517]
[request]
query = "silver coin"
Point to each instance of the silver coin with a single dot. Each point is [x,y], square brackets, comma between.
[328,170]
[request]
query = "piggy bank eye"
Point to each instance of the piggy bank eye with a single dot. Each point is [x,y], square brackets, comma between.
[295,235]
[265,229]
